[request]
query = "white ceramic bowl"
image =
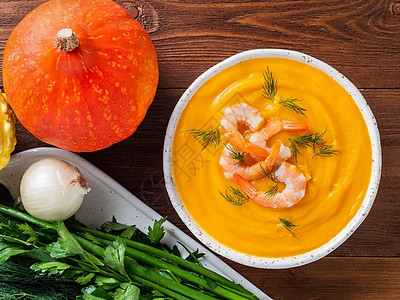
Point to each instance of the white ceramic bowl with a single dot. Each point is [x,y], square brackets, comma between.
[285,262]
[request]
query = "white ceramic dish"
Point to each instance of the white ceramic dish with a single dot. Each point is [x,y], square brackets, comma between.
[107,198]
[286,262]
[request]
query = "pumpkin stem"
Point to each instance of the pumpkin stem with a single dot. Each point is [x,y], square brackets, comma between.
[67,40]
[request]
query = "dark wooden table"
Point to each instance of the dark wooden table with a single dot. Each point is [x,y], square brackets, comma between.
[359,38]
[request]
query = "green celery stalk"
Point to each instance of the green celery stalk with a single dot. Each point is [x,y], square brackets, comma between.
[155,262]
[171,257]
[226,288]
[137,270]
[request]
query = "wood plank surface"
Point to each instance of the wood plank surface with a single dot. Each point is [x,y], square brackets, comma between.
[342,278]
[360,38]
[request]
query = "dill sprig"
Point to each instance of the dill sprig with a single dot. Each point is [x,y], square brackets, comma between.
[303,141]
[288,226]
[270,174]
[314,140]
[235,196]
[292,105]
[269,91]
[235,154]
[18,281]
[326,151]
[269,86]
[206,137]
[272,190]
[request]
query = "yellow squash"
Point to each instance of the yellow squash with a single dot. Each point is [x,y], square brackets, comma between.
[7,131]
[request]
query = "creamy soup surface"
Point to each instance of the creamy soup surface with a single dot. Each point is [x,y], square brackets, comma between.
[336,185]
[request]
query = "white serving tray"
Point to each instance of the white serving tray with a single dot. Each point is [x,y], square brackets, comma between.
[108,198]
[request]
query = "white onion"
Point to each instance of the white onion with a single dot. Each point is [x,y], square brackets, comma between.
[52,189]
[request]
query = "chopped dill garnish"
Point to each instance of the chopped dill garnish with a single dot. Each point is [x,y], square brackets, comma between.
[269,91]
[272,190]
[314,140]
[235,154]
[206,137]
[292,105]
[317,140]
[326,151]
[303,141]
[269,86]
[234,196]
[288,226]
[270,174]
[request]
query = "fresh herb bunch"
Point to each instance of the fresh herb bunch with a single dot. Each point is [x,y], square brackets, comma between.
[18,281]
[288,226]
[314,140]
[235,196]
[206,137]
[270,89]
[116,262]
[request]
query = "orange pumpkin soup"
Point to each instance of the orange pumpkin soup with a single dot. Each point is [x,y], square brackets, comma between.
[336,184]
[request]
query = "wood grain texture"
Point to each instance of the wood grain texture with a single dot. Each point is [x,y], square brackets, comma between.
[359,38]
[332,278]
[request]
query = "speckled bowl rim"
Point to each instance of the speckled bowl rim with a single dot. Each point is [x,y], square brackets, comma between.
[267,262]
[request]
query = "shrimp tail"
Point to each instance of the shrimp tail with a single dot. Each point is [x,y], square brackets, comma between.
[272,158]
[246,186]
[268,164]
[294,126]
[255,150]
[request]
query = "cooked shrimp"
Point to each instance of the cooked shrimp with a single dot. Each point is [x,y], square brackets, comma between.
[251,169]
[230,165]
[277,154]
[294,191]
[242,114]
[273,127]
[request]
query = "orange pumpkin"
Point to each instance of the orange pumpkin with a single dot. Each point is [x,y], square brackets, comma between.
[80,74]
